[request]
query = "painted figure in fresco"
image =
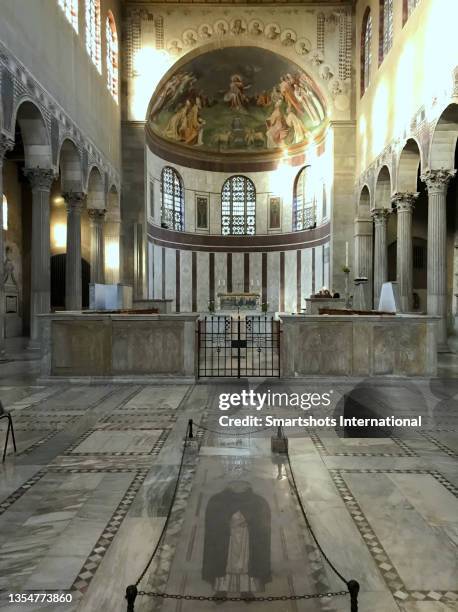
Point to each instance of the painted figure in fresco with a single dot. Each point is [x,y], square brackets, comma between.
[194,125]
[288,40]
[166,94]
[190,39]
[309,101]
[273,32]
[174,48]
[277,130]
[177,123]
[287,91]
[303,47]
[237,555]
[256,29]
[236,97]
[237,27]
[299,132]
[221,29]
[205,32]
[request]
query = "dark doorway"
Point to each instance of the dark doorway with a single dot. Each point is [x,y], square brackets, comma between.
[58,282]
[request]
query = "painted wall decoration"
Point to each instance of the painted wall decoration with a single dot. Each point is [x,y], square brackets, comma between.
[238,99]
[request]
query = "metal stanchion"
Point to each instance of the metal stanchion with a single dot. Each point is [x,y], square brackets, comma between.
[190,434]
[353,589]
[131,596]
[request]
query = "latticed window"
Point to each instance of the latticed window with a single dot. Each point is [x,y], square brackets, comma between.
[366,53]
[70,8]
[386,24]
[238,207]
[93,42]
[304,211]
[112,56]
[172,199]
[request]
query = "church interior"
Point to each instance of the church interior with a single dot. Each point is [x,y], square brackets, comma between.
[222,199]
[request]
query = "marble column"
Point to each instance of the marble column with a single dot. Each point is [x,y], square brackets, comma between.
[364,254]
[6,144]
[40,180]
[380,216]
[437,183]
[73,298]
[97,218]
[405,203]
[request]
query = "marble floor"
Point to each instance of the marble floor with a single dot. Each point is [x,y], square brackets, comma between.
[85,498]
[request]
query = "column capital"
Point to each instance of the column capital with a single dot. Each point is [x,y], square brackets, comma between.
[40,178]
[404,200]
[97,215]
[74,200]
[437,180]
[6,144]
[380,215]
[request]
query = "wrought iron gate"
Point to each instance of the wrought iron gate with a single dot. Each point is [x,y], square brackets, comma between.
[239,346]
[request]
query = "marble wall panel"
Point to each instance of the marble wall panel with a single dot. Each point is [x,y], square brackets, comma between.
[170,274]
[82,348]
[186,281]
[306,274]
[255,272]
[202,281]
[220,272]
[273,281]
[148,347]
[290,281]
[157,272]
[237,271]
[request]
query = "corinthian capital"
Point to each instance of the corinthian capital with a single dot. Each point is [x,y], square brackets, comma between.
[6,144]
[380,215]
[74,200]
[40,178]
[404,201]
[96,215]
[437,180]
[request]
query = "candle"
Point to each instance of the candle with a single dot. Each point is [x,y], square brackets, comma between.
[346,254]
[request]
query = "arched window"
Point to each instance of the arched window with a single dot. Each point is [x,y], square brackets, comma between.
[172,199]
[386,28]
[304,209]
[93,42]
[112,56]
[5,213]
[408,8]
[238,207]
[366,55]
[70,8]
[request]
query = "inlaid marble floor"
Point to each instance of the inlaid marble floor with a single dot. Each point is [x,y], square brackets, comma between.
[84,500]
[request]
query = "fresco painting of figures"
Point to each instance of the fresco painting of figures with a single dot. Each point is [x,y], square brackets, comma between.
[238,99]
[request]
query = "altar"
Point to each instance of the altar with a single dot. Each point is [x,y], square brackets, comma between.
[238,301]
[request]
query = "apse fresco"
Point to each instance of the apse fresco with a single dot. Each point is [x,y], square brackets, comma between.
[238,99]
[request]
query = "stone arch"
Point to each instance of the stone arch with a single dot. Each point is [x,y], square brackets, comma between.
[443,142]
[71,172]
[383,189]
[35,135]
[409,162]
[96,197]
[364,204]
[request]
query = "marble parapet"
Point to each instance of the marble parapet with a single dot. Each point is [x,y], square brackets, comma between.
[358,345]
[118,345]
